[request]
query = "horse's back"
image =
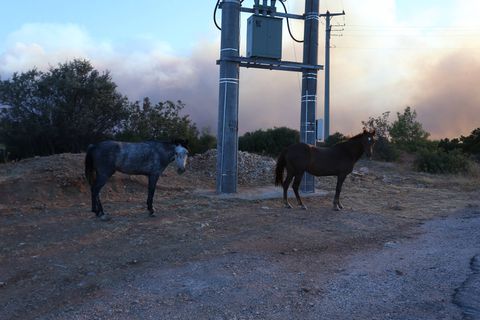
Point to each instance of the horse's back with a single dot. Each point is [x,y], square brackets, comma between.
[332,161]
[126,157]
[104,154]
[298,156]
[319,161]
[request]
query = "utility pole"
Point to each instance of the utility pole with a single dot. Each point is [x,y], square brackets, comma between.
[264,33]
[227,134]
[328,29]
[309,85]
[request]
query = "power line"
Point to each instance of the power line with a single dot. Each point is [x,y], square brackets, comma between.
[412,27]
[404,48]
[391,35]
[288,23]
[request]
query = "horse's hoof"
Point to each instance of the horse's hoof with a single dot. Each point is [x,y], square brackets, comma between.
[288,206]
[152,215]
[303,207]
[105,217]
[336,208]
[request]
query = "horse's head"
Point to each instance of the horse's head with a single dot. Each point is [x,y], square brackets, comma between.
[181,155]
[368,141]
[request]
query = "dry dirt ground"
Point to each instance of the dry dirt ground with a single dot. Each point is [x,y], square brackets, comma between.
[407,246]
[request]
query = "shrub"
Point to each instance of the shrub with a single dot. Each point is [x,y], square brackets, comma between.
[204,142]
[384,150]
[333,139]
[270,142]
[439,161]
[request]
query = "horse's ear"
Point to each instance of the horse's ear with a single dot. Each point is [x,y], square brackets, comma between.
[373,132]
[182,142]
[177,141]
[365,130]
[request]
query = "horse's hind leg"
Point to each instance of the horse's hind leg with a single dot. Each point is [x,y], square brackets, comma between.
[336,200]
[296,184]
[152,183]
[96,203]
[286,184]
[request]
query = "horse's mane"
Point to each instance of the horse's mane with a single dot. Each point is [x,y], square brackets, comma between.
[173,141]
[358,136]
[347,139]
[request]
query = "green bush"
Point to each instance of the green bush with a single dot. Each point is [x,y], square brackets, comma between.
[384,150]
[333,139]
[270,142]
[439,161]
[204,142]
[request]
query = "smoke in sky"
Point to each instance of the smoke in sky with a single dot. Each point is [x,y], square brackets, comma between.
[372,71]
[446,96]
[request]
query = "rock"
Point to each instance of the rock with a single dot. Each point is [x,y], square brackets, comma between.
[390,244]
[395,206]
[364,170]
[253,169]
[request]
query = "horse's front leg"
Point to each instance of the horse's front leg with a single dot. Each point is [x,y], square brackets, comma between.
[336,200]
[152,183]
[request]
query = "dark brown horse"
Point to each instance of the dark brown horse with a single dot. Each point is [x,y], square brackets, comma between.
[324,161]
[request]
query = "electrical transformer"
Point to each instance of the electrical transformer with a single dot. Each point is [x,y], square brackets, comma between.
[264,37]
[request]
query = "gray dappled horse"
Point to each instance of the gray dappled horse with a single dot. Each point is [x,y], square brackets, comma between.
[149,158]
[323,161]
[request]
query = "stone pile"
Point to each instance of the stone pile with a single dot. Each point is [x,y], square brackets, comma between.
[252,168]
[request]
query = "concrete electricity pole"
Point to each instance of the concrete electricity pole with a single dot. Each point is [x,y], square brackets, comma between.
[328,29]
[227,134]
[309,84]
[264,36]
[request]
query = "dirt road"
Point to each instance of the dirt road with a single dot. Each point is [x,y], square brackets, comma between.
[404,248]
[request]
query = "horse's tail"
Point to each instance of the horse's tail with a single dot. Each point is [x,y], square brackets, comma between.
[89,168]
[281,163]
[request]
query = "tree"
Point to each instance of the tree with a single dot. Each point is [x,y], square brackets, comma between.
[406,132]
[162,121]
[333,139]
[268,142]
[471,143]
[61,110]
[468,144]
[448,145]
[205,141]
[380,125]
[383,148]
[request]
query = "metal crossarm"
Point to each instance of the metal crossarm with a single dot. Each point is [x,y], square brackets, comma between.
[271,64]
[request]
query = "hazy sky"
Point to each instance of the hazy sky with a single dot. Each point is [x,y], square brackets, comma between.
[389,54]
